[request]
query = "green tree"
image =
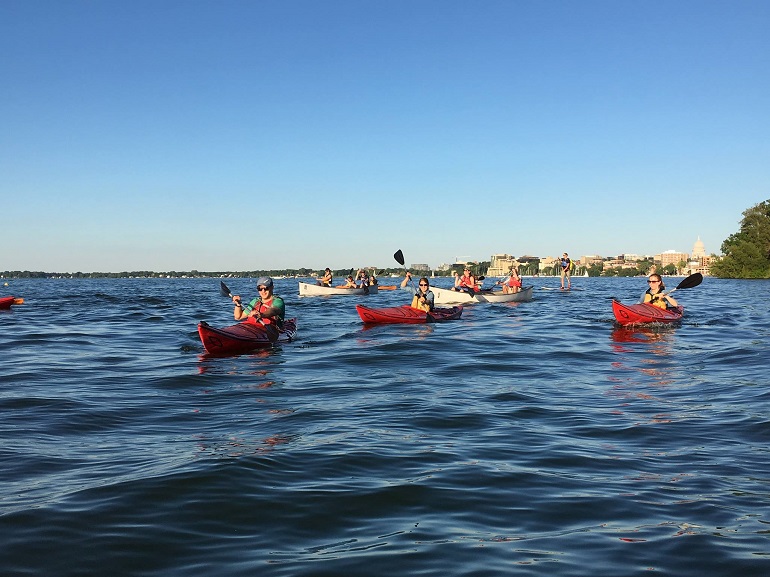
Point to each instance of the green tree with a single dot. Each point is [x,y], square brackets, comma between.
[747,252]
[644,266]
[595,269]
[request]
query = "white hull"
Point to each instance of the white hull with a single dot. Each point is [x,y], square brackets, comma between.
[314,290]
[445,296]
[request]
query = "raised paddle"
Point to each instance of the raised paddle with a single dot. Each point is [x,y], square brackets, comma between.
[691,281]
[226,293]
[399,256]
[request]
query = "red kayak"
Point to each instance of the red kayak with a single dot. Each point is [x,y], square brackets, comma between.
[644,313]
[6,302]
[407,315]
[242,337]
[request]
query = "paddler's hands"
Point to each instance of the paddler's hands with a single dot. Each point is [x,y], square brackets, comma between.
[237,301]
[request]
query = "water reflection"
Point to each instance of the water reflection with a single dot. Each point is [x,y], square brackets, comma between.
[646,354]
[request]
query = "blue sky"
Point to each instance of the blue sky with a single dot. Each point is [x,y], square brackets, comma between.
[233,135]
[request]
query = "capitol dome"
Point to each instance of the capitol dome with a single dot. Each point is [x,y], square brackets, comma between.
[698,249]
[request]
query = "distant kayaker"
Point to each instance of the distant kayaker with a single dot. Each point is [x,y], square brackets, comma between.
[267,309]
[423,298]
[327,278]
[566,269]
[362,280]
[513,283]
[466,282]
[349,282]
[654,295]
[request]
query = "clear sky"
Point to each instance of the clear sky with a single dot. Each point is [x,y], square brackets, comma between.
[243,135]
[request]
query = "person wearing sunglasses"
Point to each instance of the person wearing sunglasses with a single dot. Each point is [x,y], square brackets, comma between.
[267,309]
[655,296]
[327,278]
[512,284]
[423,298]
[466,282]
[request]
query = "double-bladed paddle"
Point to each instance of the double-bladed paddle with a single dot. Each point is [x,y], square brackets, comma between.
[226,293]
[399,256]
[691,281]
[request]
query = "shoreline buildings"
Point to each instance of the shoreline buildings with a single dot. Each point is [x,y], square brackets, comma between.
[683,263]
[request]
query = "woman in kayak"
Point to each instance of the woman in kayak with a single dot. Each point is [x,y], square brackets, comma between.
[513,283]
[349,283]
[267,309]
[327,278]
[423,297]
[655,296]
[466,283]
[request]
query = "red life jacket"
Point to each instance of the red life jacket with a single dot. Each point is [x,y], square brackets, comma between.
[465,281]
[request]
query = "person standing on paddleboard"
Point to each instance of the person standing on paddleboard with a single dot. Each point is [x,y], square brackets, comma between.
[566,267]
[654,295]
[267,309]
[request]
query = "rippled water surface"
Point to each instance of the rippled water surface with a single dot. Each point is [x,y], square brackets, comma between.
[528,439]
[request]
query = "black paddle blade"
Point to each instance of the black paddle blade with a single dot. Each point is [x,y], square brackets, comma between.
[691,281]
[224,290]
[399,256]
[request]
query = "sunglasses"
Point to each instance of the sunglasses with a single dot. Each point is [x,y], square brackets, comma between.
[262,288]
[652,281]
[423,284]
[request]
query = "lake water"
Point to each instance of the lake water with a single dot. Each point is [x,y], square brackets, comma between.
[524,439]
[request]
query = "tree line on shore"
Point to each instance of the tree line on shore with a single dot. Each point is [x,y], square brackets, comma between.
[746,254]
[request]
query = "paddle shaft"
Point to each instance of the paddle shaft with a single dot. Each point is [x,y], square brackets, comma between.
[691,281]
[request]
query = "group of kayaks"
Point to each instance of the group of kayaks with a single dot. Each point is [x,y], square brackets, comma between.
[250,335]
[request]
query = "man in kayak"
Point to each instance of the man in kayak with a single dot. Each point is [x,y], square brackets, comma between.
[566,268]
[267,309]
[423,297]
[655,295]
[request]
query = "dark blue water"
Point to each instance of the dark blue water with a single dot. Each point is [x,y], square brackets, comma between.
[524,439]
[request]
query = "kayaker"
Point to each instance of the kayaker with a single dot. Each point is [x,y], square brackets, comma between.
[655,296]
[349,283]
[513,283]
[267,309]
[327,278]
[423,298]
[566,268]
[362,279]
[466,282]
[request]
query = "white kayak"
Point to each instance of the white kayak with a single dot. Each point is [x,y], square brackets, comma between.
[445,296]
[315,290]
